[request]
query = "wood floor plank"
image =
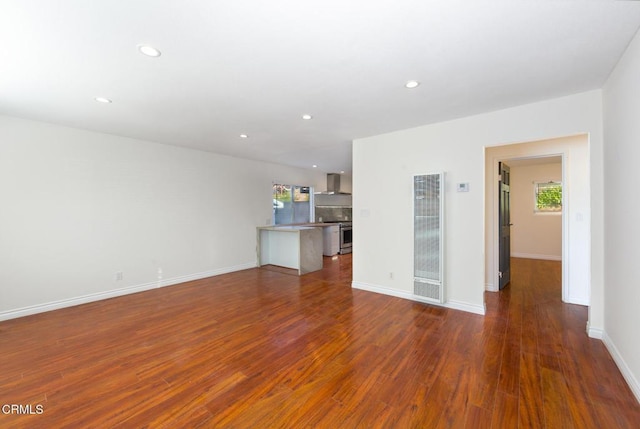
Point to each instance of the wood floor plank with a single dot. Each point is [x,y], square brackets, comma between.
[505,411]
[531,406]
[509,381]
[556,404]
[265,348]
[477,418]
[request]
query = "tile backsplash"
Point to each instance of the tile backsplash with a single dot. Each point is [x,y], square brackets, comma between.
[333,213]
[341,200]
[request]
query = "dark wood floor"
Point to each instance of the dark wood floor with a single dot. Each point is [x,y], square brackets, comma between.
[262,348]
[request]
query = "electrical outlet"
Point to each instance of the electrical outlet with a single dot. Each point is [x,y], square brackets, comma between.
[118,276]
[159,273]
[391,275]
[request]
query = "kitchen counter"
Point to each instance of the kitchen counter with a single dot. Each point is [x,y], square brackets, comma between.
[291,246]
[300,227]
[315,224]
[330,234]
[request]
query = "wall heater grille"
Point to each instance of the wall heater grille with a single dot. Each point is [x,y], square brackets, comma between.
[428,217]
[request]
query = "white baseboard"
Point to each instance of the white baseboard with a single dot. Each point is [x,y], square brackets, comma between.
[578,301]
[465,306]
[631,380]
[594,332]
[536,256]
[385,291]
[454,305]
[205,274]
[84,299]
[490,287]
[70,302]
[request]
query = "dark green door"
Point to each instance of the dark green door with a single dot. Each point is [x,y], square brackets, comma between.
[504,222]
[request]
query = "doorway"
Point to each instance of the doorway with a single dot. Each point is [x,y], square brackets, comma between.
[530,211]
[575,230]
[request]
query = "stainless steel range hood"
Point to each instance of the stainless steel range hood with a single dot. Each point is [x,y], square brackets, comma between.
[333,185]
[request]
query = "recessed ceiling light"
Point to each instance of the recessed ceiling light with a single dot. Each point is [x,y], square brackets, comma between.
[306,117]
[103,100]
[244,136]
[342,172]
[412,84]
[315,166]
[149,51]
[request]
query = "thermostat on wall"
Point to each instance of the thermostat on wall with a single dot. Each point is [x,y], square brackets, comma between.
[463,187]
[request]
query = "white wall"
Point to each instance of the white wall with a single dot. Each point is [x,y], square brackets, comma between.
[79,206]
[534,235]
[621,96]
[383,166]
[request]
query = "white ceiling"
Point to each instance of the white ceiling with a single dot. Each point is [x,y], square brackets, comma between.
[255,67]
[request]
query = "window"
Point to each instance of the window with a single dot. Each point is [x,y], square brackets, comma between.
[548,197]
[292,204]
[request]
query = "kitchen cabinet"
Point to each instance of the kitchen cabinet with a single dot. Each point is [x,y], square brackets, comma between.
[331,239]
[296,247]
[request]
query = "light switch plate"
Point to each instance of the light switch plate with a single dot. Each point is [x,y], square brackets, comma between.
[463,187]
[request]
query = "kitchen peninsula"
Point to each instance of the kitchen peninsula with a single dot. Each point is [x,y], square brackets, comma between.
[294,246]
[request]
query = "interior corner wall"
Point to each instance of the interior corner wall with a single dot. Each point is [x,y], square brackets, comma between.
[79,207]
[383,167]
[621,100]
[534,235]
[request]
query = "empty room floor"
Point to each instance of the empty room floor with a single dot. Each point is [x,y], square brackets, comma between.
[262,348]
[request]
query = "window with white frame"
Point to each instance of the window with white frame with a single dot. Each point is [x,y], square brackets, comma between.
[292,204]
[548,197]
